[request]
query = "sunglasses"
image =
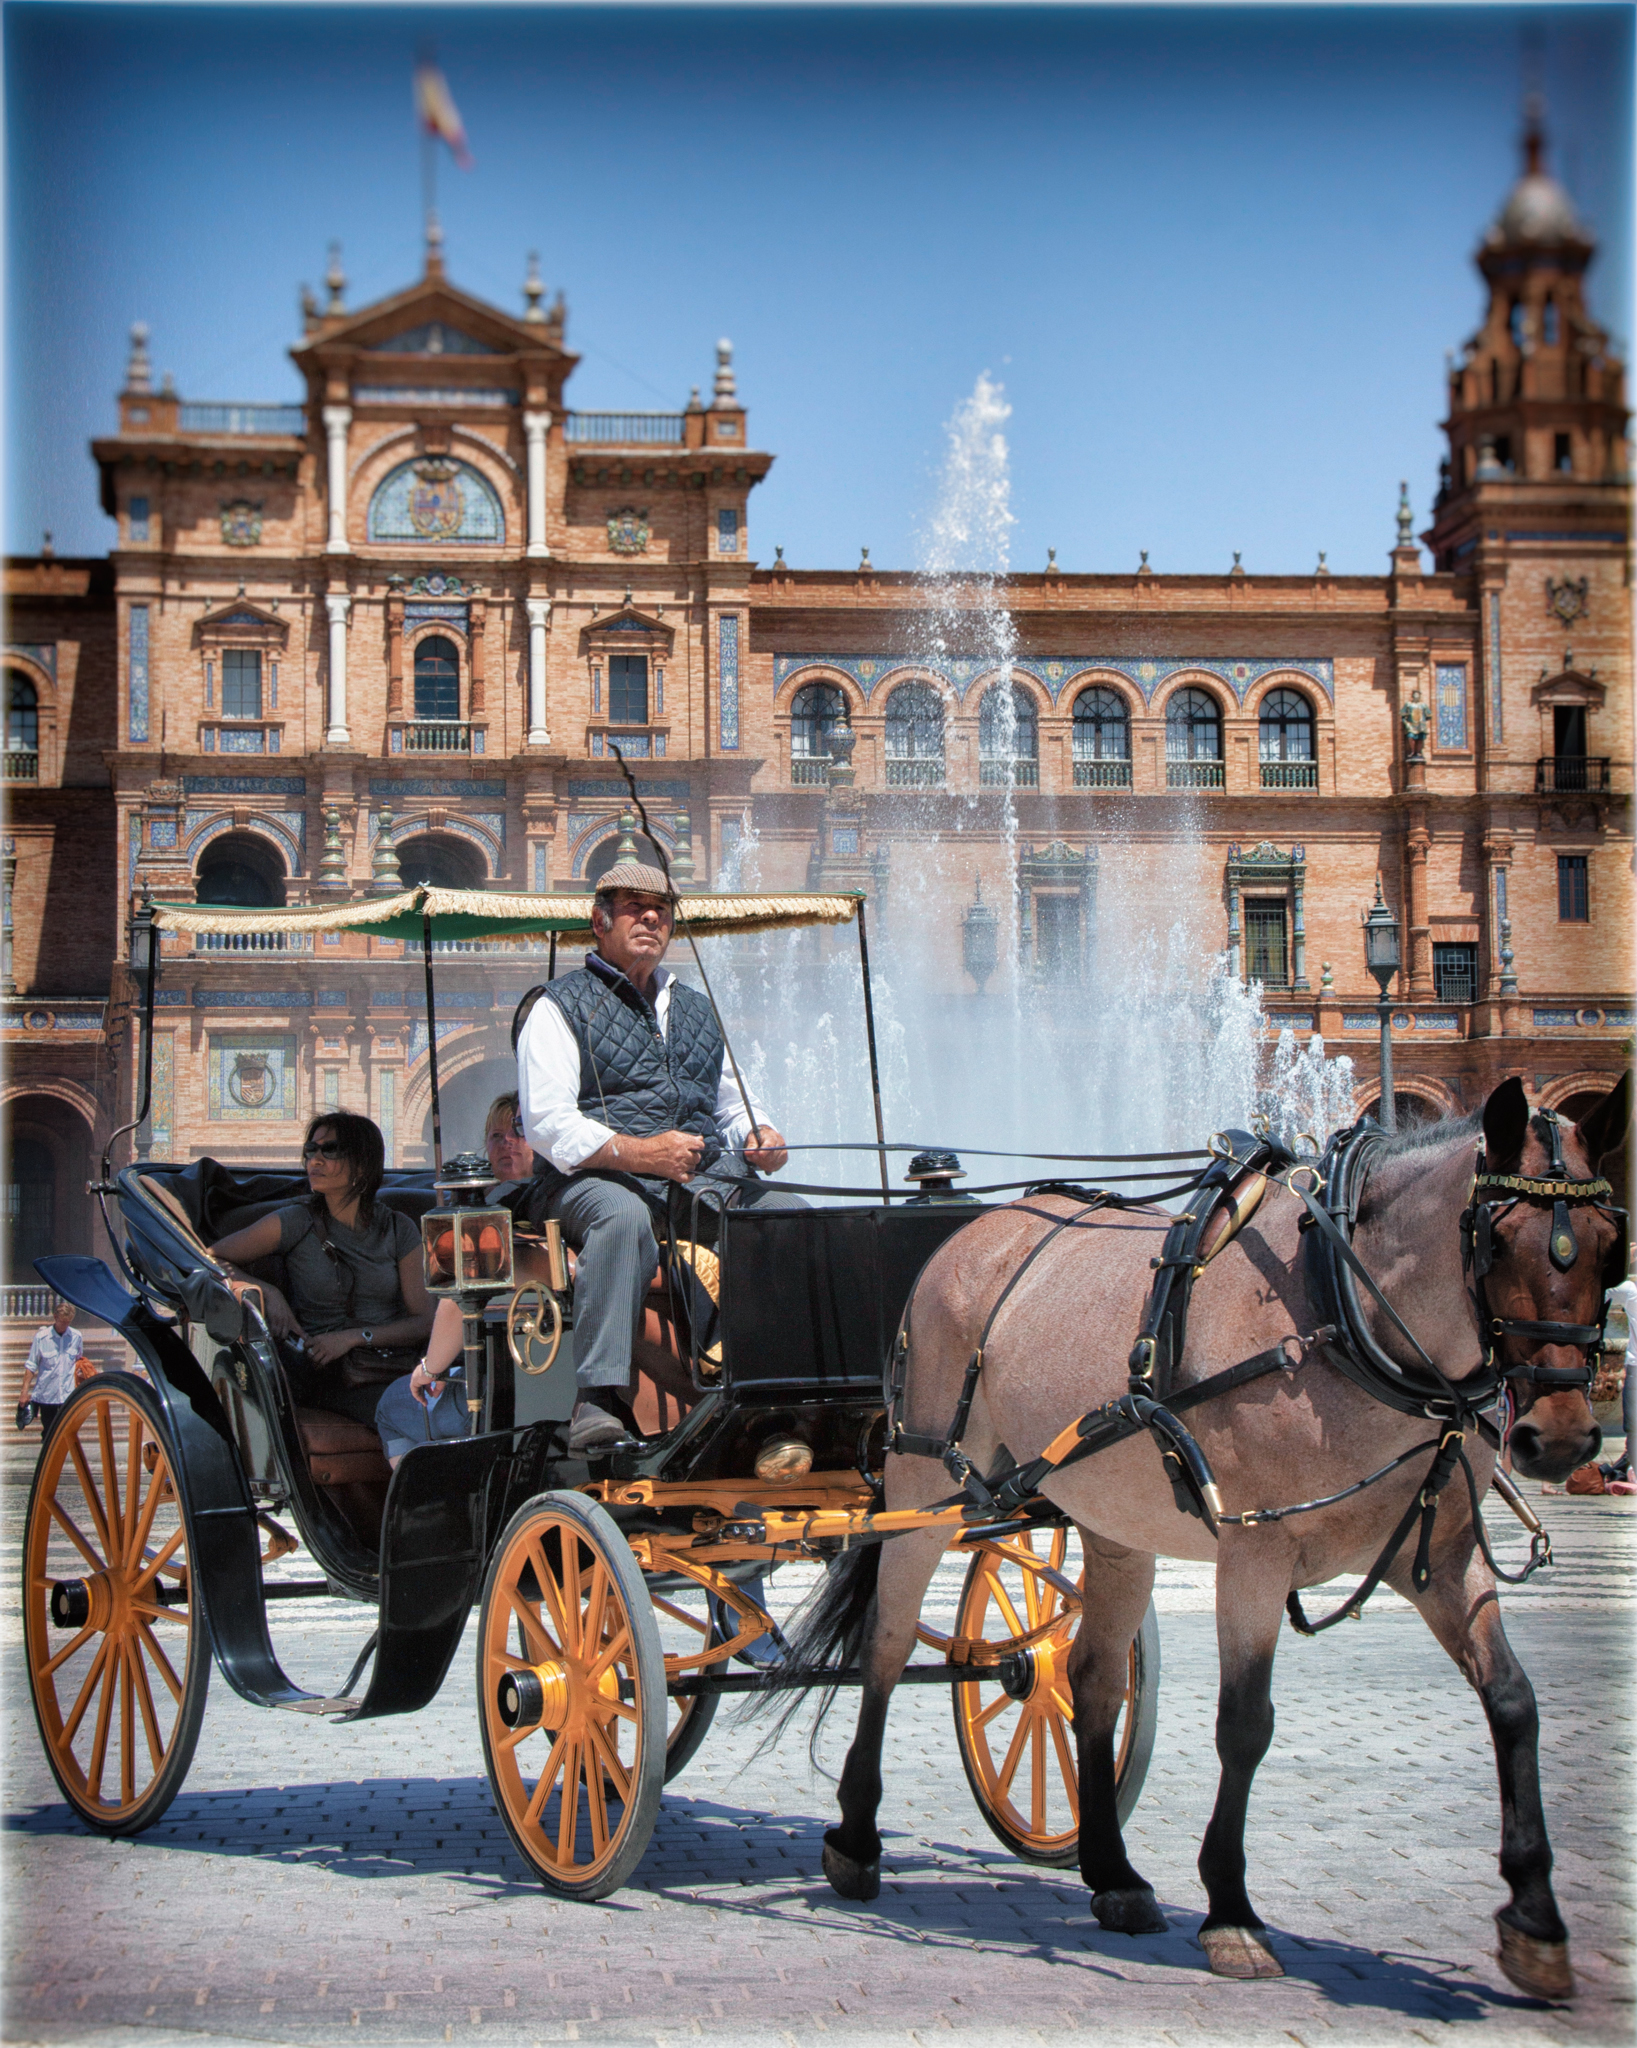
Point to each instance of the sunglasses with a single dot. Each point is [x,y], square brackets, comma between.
[329,1149]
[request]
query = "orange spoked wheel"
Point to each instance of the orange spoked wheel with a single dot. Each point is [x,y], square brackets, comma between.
[118,1652]
[574,1720]
[1016,1729]
[683,1617]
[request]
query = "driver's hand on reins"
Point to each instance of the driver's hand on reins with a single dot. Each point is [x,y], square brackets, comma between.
[767,1151]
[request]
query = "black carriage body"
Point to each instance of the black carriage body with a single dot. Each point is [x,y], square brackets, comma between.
[810,1304]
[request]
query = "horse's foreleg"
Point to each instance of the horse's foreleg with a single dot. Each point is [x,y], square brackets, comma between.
[1462,1611]
[852,1851]
[1251,1582]
[1118,1585]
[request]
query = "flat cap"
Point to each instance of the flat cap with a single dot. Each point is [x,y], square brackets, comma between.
[634,874]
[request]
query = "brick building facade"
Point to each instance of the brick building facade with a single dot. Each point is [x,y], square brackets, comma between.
[394,630]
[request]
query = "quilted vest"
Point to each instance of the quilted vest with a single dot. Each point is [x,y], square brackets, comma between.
[633,1077]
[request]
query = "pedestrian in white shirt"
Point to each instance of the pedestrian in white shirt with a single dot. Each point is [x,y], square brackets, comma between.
[627,1095]
[48,1378]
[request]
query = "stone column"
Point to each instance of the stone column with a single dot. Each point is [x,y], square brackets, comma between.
[1298,926]
[536,425]
[336,733]
[1417,842]
[395,655]
[476,619]
[539,610]
[337,419]
[1498,856]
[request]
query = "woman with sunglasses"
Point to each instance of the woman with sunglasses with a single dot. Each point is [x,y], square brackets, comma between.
[358,1313]
[429,1404]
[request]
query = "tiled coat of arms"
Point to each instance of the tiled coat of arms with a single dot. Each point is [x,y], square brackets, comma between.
[437,504]
[629,531]
[1568,600]
[241,523]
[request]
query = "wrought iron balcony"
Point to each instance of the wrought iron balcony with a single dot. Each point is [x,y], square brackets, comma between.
[1021,774]
[1102,774]
[22,764]
[1290,774]
[1195,775]
[915,774]
[1572,774]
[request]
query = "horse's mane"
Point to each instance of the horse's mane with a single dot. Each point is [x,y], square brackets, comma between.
[1432,1137]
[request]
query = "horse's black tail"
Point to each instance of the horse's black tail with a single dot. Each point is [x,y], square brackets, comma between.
[826,1636]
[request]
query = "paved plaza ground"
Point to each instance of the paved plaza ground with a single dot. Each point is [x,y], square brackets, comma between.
[317,1884]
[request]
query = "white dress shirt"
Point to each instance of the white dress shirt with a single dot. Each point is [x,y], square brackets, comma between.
[548,1085]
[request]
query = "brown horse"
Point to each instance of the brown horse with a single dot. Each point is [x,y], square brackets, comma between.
[1059,1348]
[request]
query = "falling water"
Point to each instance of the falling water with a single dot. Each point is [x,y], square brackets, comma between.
[1155,1046]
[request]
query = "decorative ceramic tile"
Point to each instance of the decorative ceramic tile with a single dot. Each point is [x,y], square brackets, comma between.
[1450,687]
[1495,695]
[244,785]
[252,1078]
[386,1111]
[1062,672]
[436,498]
[727,681]
[433,785]
[252,999]
[162,1113]
[138,647]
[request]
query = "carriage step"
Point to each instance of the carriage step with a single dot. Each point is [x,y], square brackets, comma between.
[316,1706]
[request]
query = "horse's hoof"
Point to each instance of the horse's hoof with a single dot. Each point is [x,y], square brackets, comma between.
[1238,1952]
[1541,1968]
[1133,1911]
[850,1880]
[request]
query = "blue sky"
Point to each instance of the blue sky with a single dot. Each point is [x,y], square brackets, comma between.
[1215,256]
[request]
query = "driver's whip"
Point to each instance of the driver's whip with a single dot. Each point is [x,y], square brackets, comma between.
[677,919]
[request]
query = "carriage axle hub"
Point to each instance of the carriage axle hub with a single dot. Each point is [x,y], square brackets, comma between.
[535,1697]
[1018,1674]
[74,1602]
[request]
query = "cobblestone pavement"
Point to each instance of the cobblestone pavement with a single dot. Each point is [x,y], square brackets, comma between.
[320,1884]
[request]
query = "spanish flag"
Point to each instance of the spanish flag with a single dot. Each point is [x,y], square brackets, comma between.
[438,114]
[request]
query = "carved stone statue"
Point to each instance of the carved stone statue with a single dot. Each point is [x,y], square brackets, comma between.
[1415,722]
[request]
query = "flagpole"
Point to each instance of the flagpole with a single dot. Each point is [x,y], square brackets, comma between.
[429,181]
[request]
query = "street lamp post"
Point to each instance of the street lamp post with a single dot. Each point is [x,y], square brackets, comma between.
[1382,958]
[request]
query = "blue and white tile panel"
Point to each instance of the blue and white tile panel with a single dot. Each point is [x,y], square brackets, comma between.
[1056,676]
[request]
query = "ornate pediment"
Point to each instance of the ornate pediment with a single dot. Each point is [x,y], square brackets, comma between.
[1569,686]
[244,622]
[433,338]
[629,631]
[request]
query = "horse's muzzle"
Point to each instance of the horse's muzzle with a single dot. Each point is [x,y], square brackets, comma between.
[1540,1451]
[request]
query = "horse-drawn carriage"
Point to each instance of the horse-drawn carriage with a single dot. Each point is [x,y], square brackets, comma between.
[614,1596]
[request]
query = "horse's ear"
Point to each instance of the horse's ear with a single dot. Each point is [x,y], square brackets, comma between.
[1506,1122]
[1607,1127]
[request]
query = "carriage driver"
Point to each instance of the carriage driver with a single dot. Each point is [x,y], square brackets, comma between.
[626,1094]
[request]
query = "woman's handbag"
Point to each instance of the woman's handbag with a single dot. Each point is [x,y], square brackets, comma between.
[375,1365]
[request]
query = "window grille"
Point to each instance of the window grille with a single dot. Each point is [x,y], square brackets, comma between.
[241,683]
[1193,727]
[628,689]
[816,710]
[1573,894]
[1267,956]
[22,716]
[1008,735]
[1455,973]
[437,679]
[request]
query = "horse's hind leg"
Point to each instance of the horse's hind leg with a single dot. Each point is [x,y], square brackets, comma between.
[852,1851]
[1118,1585]
[1462,1611]
[1251,1581]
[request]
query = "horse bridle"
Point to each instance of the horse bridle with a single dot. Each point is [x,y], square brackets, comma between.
[1478,1221]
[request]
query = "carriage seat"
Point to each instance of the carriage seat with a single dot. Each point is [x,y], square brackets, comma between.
[339,1451]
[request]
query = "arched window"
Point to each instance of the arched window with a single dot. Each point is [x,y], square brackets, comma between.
[1286,741]
[22,714]
[1193,741]
[434,862]
[915,737]
[1551,328]
[1102,740]
[240,869]
[437,679]
[817,711]
[1008,737]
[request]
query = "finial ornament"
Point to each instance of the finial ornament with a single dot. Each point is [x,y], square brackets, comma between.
[1238,565]
[139,370]
[726,390]
[1406,518]
[1324,566]
[1143,564]
[1051,561]
[533,290]
[335,279]
[864,559]
[778,558]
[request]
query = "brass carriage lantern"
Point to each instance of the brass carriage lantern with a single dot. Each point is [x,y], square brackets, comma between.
[1381,956]
[980,938]
[467,1250]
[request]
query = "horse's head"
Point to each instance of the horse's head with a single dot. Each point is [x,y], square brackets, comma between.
[1545,1240]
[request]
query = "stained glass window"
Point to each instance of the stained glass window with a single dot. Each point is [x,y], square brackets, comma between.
[437,499]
